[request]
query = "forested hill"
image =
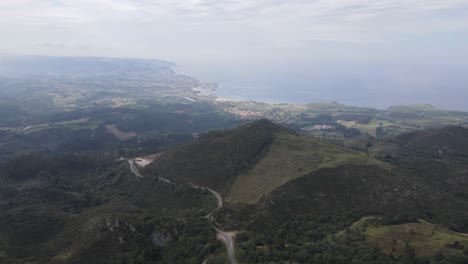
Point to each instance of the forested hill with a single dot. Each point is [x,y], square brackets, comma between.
[216,157]
[419,185]
[250,161]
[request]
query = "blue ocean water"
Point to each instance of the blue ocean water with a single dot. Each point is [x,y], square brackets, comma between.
[376,86]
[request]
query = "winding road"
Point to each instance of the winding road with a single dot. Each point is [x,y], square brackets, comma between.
[134,169]
[226,237]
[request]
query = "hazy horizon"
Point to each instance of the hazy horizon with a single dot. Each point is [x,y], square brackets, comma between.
[358,52]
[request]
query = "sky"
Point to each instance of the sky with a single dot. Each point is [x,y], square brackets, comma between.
[414,44]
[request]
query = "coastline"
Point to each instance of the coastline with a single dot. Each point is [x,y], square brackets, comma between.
[209,90]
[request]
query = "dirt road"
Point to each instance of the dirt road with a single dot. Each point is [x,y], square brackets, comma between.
[134,169]
[226,237]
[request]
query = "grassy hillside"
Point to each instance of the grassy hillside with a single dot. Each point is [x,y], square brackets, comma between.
[252,160]
[420,238]
[367,189]
[423,237]
[274,174]
[304,176]
[289,157]
[306,213]
[364,189]
[218,156]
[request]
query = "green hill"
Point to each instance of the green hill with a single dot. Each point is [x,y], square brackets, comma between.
[367,189]
[288,157]
[82,209]
[306,213]
[426,177]
[252,160]
[274,173]
[218,156]
[423,237]
[438,156]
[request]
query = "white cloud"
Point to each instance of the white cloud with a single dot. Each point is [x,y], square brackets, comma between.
[224,10]
[224,25]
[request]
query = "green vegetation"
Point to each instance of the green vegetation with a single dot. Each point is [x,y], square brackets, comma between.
[306,240]
[381,190]
[63,209]
[294,194]
[289,157]
[218,156]
[315,240]
[424,238]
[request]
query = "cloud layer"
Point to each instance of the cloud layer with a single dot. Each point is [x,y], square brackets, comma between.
[286,24]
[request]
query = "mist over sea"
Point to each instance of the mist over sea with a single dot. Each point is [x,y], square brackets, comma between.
[377,86]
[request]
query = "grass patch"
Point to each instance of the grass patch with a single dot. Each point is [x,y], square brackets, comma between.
[425,238]
[73,122]
[289,157]
[373,125]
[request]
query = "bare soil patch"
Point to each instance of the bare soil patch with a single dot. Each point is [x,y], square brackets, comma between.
[119,133]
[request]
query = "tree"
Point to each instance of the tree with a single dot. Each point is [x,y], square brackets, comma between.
[407,257]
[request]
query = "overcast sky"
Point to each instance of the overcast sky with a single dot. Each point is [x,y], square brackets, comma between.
[236,29]
[225,33]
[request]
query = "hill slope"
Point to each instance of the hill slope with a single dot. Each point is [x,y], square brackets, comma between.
[288,157]
[421,182]
[437,156]
[99,214]
[252,160]
[218,156]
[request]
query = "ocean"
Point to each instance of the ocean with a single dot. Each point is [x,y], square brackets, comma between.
[377,86]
